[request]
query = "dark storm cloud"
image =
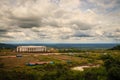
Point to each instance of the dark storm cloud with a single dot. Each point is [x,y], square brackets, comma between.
[81,25]
[52,24]
[9,30]
[2,30]
[80,34]
[25,22]
[77,34]
[15,30]
[117,3]
[112,34]
[3,33]
[117,30]
[28,25]
[24,18]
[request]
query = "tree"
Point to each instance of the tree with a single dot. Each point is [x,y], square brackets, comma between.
[112,65]
[114,73]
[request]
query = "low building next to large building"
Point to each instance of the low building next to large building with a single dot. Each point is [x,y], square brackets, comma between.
[31,49]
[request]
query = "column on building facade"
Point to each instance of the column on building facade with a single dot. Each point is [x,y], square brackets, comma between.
[28,49]
[17,49]
[20,49]
[37,49]
[34,49]
[31,49]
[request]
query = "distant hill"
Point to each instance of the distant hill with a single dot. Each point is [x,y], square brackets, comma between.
[62,45]
[10,46]
[116,48]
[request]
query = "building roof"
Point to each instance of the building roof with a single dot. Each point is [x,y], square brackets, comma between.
[31,46]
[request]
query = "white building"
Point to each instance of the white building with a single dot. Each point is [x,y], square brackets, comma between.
[31,49]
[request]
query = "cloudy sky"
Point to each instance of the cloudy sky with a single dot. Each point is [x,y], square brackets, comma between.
[60,21]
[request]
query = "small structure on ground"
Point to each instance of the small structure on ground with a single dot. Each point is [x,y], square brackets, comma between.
[19,55]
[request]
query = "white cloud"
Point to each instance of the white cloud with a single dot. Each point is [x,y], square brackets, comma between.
[59,21]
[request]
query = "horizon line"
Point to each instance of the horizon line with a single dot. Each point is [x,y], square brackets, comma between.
[60,43]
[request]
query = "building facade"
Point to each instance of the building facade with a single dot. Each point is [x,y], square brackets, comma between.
[31,49]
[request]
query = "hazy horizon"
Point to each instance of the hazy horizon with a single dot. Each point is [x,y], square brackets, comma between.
[52,43]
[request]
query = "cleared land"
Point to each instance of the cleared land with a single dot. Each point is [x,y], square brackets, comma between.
[10,60]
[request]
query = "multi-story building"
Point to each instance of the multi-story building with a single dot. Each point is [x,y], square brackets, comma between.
[31,49]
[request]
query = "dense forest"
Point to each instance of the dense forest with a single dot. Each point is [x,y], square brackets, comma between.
[116,48]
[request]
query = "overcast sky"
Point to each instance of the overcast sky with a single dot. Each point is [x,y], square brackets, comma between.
[60,21]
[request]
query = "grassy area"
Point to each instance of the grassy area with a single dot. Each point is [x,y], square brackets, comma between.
[11,62]
[89,57]
[14,66]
